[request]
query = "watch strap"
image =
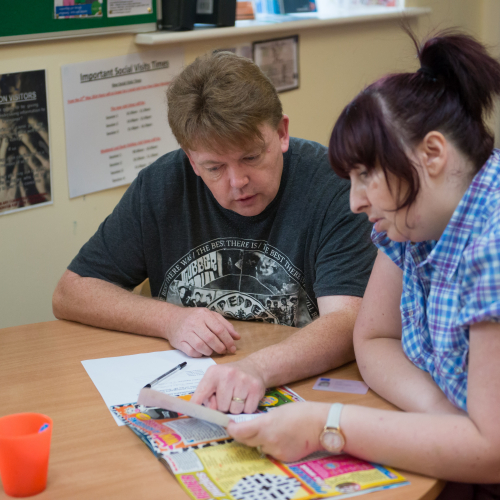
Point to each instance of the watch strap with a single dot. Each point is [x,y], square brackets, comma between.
[333,419]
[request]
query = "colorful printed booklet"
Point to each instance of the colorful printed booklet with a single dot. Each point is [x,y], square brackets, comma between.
[209,465]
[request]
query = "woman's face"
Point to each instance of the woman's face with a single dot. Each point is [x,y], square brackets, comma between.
[370,194]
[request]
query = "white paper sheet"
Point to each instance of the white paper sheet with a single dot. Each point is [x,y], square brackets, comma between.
[120,379]
[116,117]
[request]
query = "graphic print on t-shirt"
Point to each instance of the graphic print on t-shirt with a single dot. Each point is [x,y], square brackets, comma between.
[240,279]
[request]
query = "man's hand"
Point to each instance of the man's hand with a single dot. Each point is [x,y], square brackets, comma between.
[92,301]
[223,386]
[320,346]
[198,332]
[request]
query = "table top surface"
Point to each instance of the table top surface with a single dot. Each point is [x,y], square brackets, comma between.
[91,456]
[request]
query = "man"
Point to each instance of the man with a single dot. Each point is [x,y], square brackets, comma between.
[244,212]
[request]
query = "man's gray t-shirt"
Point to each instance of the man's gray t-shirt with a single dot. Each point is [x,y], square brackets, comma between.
[271,267]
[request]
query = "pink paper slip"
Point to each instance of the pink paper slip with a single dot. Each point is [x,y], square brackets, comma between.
[340,385]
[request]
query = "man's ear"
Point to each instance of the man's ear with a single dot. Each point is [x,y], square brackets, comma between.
[283,134]
[433,153]
[196,171]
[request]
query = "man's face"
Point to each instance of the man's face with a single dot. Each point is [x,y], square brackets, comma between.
[245,181]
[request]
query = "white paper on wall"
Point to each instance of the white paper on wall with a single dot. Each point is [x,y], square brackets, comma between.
[116,117]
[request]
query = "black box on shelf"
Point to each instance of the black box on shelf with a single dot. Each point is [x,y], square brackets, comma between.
[177,15]
[218,12]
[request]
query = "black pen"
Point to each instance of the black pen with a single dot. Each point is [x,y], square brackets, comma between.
[165,375]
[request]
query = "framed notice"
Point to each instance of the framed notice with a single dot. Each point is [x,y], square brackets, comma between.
[25,173]
[278,59]
[116,117]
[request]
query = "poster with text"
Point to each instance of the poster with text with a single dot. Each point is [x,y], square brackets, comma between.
[121,8]
[25,175]
[116,117]
[71,9]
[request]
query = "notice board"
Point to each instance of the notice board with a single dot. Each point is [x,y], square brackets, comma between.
[23,21]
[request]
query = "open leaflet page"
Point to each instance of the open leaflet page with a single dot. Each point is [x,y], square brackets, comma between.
[209,464]
[166,431]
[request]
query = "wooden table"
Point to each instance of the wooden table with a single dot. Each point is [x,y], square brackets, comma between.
[92,457]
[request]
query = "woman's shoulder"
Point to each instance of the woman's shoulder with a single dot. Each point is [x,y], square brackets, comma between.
[488,222]
[482,210]
[482,253]
[393,249]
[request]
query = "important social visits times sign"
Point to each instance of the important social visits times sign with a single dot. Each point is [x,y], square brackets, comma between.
[116,117]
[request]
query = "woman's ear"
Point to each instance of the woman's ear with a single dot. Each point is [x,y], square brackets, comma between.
[433,153]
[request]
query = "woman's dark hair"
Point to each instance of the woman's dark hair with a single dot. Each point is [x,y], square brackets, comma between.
[452,93]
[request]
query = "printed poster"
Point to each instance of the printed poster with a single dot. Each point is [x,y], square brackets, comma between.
[71,9]
[25,174]
[116,117]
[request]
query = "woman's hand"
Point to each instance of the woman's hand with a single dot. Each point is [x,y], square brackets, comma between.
[288,433]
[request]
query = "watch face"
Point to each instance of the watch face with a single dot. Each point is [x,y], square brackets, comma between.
[332,440]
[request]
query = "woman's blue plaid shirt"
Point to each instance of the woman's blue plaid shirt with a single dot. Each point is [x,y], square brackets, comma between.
[452,284]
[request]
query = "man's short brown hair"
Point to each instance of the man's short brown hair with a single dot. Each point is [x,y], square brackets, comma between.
[219,102]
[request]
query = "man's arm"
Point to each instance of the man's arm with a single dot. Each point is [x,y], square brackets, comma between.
[195,331]
[322,345]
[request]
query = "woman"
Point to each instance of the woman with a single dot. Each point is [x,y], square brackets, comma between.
[427,338]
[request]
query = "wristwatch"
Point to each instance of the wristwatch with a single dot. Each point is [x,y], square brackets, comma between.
[332,438]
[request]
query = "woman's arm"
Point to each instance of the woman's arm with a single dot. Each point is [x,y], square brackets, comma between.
[379,354]
[447,446]
[454,447]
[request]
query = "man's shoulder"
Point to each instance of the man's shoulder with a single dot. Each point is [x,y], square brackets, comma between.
[308,149]
[310,164]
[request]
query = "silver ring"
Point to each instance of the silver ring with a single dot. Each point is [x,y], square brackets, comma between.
[259,449]
[239,400]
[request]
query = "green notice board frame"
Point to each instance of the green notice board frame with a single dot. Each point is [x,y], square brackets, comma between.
[27,21]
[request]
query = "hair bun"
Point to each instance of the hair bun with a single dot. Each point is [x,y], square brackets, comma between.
[465,67]
[428,73]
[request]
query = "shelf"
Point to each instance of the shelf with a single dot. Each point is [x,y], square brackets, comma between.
[276,24]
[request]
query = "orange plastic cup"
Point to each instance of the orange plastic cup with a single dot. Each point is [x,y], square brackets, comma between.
[24,453]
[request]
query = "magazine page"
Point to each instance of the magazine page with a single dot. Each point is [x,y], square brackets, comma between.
[335,475]
[164,430]
[209,465]
[233,471]
[277,396]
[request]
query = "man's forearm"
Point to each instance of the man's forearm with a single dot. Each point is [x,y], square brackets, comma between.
[99,303]
[322,345]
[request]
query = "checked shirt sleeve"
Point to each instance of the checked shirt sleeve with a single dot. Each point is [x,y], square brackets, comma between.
[480,294]
[393,249]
